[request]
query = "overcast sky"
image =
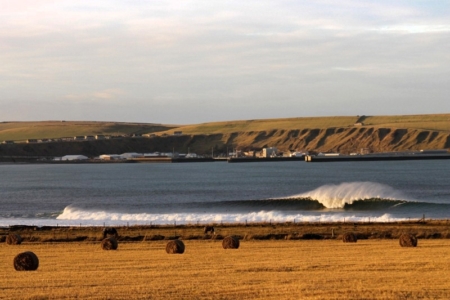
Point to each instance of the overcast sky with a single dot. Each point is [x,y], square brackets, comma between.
[186,62]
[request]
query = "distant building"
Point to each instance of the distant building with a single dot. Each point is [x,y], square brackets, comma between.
[298,154]
[329,154]
[269,152]
[129,155]
[89,137]
[110,157]
[74,157]
[78,138]
[100,137]
[364,151]
[8,142]
[177,133]
[30,141]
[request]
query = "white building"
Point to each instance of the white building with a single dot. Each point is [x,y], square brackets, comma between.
[298,154]
[129,155]
[269,152]
[74,157]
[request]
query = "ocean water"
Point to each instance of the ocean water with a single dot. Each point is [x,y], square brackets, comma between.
[191,193]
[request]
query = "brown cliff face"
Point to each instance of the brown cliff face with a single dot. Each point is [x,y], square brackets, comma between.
[343,140]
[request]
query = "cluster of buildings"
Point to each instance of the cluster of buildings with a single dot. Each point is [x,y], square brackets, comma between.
[266,152]
[128,155]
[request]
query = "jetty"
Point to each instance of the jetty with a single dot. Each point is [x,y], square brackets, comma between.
[379,157]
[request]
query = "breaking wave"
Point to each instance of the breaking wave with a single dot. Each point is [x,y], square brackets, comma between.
[353,201]
[345,194]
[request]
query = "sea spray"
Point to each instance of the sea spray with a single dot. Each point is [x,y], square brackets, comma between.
[336,196]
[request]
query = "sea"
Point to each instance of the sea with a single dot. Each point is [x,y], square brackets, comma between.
[123,194]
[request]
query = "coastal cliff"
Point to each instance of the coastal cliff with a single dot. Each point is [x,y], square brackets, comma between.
[335,139]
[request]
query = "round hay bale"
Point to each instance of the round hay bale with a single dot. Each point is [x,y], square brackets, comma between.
[230,242]
[175,247]
[13,239]
[408,240]
[26,261]
[109,243]
[349,237]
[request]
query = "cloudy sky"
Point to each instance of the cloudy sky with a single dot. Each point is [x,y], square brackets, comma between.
[185,62]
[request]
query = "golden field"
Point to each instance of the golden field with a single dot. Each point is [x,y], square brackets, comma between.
[375,269]
[259,269]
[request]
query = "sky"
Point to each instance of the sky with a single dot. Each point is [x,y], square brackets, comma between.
[190,62]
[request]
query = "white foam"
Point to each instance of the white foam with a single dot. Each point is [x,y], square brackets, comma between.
[336,196]
[79,216]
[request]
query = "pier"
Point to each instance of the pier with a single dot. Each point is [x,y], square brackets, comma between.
[375,157]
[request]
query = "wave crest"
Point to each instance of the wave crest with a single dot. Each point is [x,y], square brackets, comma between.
[340,195]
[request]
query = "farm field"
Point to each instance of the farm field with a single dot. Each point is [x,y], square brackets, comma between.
[273,269]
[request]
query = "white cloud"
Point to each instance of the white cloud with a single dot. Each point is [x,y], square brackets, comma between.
[222,54]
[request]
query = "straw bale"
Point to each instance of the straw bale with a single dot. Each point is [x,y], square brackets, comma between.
[109,243]
[13,239]
[26,261]
[408,240]
[230,242]
[175,247]
[349,237]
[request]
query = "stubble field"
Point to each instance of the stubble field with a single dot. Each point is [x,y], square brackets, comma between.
[270,269]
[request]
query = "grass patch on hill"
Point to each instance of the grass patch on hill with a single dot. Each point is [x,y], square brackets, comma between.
[426,122]
[267,124]
[57,129]
[438,122]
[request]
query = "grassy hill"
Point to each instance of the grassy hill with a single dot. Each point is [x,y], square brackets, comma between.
[17,131]
[437,122]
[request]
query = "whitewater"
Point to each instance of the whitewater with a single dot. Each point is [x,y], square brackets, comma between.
[203,193]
